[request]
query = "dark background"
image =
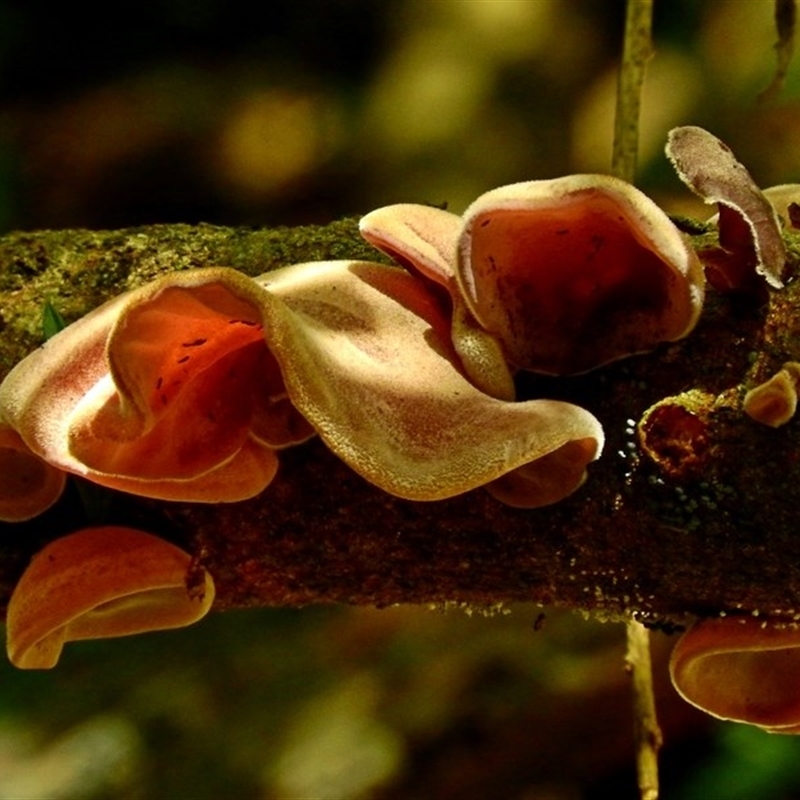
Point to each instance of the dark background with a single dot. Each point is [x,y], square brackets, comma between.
[304,112]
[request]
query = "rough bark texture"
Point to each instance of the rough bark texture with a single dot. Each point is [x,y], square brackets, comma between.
[699,520]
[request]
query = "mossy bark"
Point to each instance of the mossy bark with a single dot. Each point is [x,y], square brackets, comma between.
[694,515]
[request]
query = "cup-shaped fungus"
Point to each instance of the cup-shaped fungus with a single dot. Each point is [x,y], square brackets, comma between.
[741,669]
[167,391]
[576,272]
[100,583]
[675,433]
[367,358]
[566,274]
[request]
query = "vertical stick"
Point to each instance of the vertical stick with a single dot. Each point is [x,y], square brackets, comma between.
[647,734]
[636,52]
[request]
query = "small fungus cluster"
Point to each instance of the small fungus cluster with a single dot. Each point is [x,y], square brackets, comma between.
[187,388]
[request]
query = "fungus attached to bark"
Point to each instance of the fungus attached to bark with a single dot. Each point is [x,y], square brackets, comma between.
[424,240]
[417,237]
[774,402]
[675,433]
[741,669]
[100,583]
[184,389]
[366,356]
[542,482]
[167,391]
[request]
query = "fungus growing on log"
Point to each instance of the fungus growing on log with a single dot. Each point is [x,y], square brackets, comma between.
[674,433]
[573,273]
[565,274]
[185,388]
[366,356]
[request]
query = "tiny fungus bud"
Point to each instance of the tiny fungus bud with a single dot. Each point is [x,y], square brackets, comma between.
[100,583]
[742,670]
[774,402]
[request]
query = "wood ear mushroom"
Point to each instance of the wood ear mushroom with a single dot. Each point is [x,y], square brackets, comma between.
[741,669]
[100,583]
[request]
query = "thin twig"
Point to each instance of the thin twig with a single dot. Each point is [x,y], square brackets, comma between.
[637,50]
[785,23]
[647,734]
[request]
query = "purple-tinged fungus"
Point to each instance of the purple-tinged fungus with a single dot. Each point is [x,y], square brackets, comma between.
[749,231]
[741,669]
[774,402]
[100,583]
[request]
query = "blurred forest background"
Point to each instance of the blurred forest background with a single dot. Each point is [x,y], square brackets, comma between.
[303,112]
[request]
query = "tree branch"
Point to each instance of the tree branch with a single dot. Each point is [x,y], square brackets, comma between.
[699,521]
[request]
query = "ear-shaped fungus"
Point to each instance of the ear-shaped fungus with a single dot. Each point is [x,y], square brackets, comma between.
[28,486]
[184,388]
[366,355]
[741,669]
[573,273]
[167,391]
[557,276]
[100,583]
[417,237]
